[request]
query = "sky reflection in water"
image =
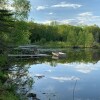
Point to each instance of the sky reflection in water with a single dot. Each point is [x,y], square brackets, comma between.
[57,83]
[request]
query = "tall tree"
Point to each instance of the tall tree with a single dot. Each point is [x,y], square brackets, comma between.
[6,25]
[20,8]
[20,11]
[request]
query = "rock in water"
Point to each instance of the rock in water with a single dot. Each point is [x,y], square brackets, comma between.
[31,95]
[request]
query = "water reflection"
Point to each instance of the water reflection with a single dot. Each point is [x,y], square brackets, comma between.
[63,79]
[88,67]
[73,78]
[19,77]
[59,81]
[82,67]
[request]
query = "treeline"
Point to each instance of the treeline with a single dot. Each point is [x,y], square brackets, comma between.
[22,32]
[76,36]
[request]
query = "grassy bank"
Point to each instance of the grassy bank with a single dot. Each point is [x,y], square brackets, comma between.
[64,45]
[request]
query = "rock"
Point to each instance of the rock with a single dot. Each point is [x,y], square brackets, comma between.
[35,99]
[39,76]
[43,93]
[31,95]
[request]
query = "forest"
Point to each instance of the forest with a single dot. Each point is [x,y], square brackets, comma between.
[65,35]
[24,32]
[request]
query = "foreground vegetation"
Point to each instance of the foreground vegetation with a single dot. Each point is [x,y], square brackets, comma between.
[9,22]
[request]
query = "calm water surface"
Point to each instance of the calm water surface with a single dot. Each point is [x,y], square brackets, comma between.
[75,78]
[58,82]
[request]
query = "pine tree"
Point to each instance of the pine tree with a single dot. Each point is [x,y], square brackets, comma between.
[6,25]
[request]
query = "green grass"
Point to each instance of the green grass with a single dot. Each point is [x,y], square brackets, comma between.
[53,44]
[62,45]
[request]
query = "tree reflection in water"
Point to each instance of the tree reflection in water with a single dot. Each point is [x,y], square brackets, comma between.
[14,76]
[19,77]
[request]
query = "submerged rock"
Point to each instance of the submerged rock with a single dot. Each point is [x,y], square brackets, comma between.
[31,95]
[39,76]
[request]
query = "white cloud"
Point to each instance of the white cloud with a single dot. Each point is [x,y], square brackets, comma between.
[85,14]
[60,5]
[62,79]
[51,13]
[45,22]
[87,18]
[83,68]
[68,21]
[66,5]
[41,7]
[49,70]
[87,68]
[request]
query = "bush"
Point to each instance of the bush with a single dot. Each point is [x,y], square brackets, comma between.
[3,60]
[43,40]
[96,45]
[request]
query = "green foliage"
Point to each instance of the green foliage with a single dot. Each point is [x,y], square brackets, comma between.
[3,60]
[74,36]
[3,3]
[11,32]
[21,33]
[52,44]
[6,26]
[22,8]
[43,40]
[6,92]
[6,95]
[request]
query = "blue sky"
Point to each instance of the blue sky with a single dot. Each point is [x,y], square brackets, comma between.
[73,12]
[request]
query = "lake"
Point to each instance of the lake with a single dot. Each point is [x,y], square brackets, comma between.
[74,78]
